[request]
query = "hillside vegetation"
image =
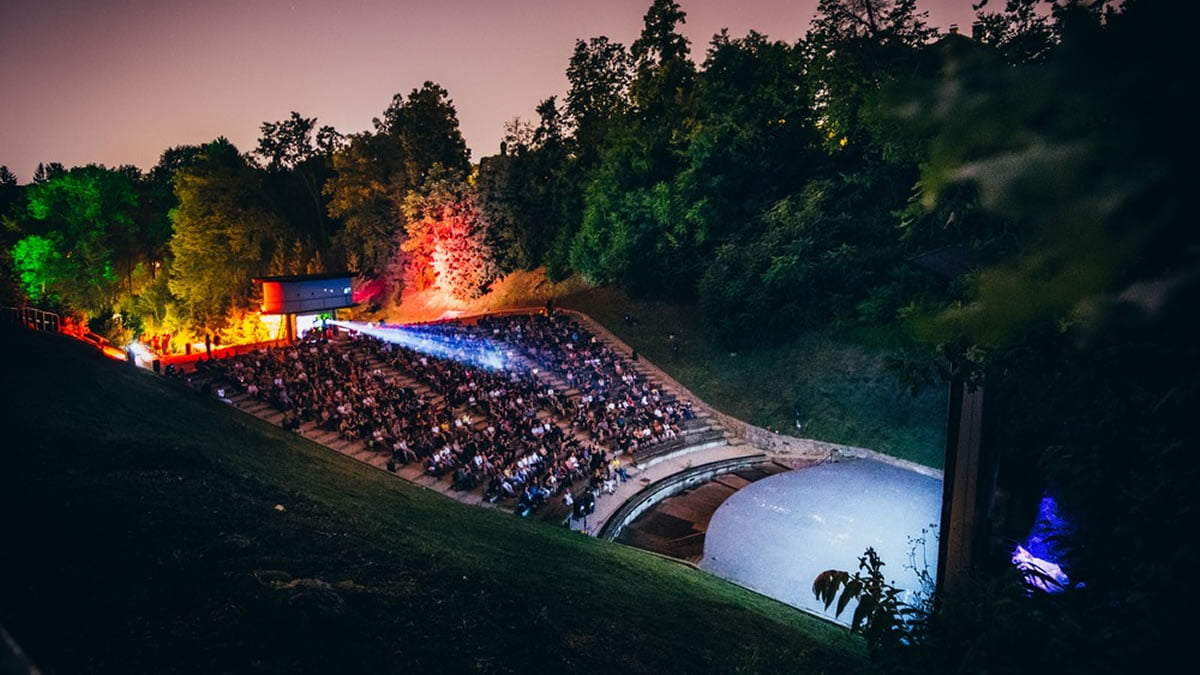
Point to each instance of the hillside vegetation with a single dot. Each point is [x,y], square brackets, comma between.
[152,530]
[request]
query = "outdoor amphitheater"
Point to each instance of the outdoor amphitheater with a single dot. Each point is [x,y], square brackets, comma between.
[546,414]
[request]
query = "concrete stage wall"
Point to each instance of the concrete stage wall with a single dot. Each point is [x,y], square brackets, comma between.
[776,535]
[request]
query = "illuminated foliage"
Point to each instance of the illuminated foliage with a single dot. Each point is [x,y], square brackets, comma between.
[446,243]
[39,265]
[375,172]
[90,211]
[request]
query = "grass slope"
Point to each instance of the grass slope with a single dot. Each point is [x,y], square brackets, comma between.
[137,514]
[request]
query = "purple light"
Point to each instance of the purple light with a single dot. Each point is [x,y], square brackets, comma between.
[1042,557]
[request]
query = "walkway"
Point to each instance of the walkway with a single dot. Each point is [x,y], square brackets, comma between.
[677,526]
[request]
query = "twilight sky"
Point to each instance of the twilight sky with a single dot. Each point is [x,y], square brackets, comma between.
[119,81]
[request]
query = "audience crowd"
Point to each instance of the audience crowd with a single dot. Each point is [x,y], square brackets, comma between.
[513,429]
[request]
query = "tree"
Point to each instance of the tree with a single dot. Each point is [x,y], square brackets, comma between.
[523,193]
[752,142]
[361,195]
[599,75]
[821,240]
[158,191]
[45,172]
[661,88]
[39,265]
[1021,30]
[374,173]
[854,47]
[329,141]
[426,128]
[288,143]
[287,147]
[91,210]
[225,234]
[446,239]
[630,205]
[1086,331]
[10,193]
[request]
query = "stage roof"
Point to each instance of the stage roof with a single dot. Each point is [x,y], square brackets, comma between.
[306,293]
[323,276]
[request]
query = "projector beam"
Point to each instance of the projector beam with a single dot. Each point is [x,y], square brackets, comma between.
[473,351]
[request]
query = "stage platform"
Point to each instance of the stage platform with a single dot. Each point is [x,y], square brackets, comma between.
[776,535]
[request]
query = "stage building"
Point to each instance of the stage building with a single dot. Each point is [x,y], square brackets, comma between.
[303,300]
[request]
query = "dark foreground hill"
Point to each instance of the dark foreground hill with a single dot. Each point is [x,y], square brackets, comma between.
[148,529]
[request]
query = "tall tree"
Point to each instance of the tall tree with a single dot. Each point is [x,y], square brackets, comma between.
[361,195]
[40,267]
[1021,30]
[376,172]
[446,242]
[290,154]
[426,128]
[630,196]
[662,86]
[91,210]
[225,233]
[159,200]
[854,48]
[523,193]
[599,72]
[10,192]
[753,140]
[45,172]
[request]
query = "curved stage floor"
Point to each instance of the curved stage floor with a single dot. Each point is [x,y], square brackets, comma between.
[776,535]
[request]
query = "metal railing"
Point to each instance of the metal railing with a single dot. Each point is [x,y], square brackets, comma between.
[31,318]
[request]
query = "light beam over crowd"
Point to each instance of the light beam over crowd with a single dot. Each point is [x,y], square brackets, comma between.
[457,346]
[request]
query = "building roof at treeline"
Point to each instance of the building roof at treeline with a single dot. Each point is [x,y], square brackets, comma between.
[305,277]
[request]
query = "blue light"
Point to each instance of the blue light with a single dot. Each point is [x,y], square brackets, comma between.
[433,340]
[1051,530]
[1043,557]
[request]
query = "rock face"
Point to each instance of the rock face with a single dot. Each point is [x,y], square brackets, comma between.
[269,577]
[314,596]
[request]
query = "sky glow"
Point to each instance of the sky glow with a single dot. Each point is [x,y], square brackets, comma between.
[118,82]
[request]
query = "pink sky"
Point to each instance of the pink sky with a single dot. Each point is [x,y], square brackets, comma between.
[118,81]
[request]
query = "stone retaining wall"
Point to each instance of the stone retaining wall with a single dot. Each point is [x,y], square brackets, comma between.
[670,486]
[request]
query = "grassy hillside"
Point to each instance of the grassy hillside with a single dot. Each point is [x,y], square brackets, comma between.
[142,535]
